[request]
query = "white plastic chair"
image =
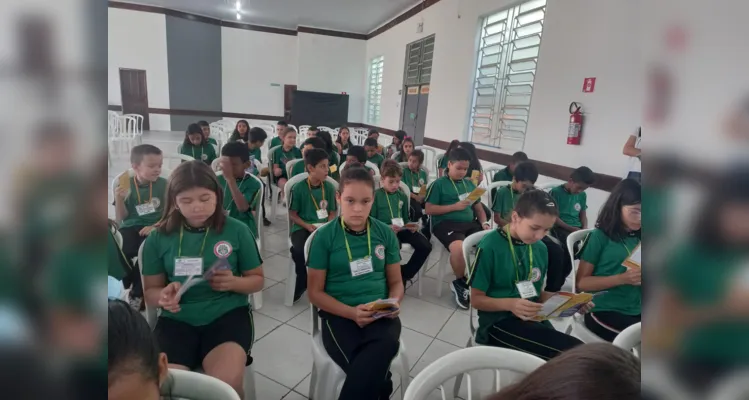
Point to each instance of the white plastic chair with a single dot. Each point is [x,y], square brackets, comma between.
[430,155]
[407,247]
[630,339]
[547,186]
[437,161]
[576,325]
[493,185]
[138,120]
[274,189]
[327,377]
[194,386]
[358,137]
[395,155]
[489,174]
[464,361]
[290,165]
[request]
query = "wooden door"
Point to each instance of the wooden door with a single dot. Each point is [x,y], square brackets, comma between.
[288,100]
[134,92]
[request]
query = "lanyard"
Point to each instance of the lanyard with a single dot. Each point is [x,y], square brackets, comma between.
[181,231]
[514,258]
[512,195]
[227,186]
[387,197]
[201,152]
[629,252]
[456,188]
[418,175]
[150,190]
[322,186]
[348,249]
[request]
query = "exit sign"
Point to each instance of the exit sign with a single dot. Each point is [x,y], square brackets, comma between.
[589,85]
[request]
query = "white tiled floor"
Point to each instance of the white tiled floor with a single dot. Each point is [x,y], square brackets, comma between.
[432,326]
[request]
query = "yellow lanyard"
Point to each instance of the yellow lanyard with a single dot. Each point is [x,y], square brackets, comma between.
[387,197]
[322,186]
[629,252]
[202,247]
[201,152]
[514,258]
[418,175]
[227,186]
[456,188]
[348,249]
[150,190]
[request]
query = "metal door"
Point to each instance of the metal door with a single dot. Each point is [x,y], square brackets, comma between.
[410,110]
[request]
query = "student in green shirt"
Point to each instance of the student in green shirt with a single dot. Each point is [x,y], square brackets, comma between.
[454,217]
[391,206]
[312,131]
[119,265]
[196,146]
[343,142]
[287,152]
[206,127]
[312,205]
[525,177]
[507,278]
[257,139]
[396,145]
[138,207]
[572,202]
[309,144]
[373,156]
[242,192]
[277,140]
[442,167]
[374,134]
[210,324]
[506,174]
[240,133]
[616,236]
[357,155]
[353,261]
[333,157]
[407,147]
[415,178]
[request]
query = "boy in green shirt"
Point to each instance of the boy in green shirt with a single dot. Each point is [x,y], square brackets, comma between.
[280,130]
[256,139]
[309,144]
[415,178]
[357,155]
[373,156]
[572,202]
[454,217]
[196,146]
[287,152]
[526,175]
[242,192]
[391,207]
[507,172]
[206,127]
[312,204]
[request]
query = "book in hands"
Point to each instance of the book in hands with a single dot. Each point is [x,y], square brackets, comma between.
[476,194]
[192,280]
[423,190]
[475,176]
[124,181]
[564,304]
[383,308]
[635,259]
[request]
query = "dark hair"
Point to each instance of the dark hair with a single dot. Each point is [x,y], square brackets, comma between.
[236,149]
[583,175]
[327,139]
[188,175]
[140,151]
[729,188]
[535,201]
[590,371]
[373,131]
[314,156]
[355,173]
[453,145]
[475,164]
[519,157]
[282,123]
[236,135]
[400,135]
[401,155]
[358,152]
[316,143]
[459,154]
[313,128]
[338,139]
[371,142]
[626,193]
[257,134]
[193,129]
[418,153]
[131,347]
[391,168]
[526,171]
[203,123]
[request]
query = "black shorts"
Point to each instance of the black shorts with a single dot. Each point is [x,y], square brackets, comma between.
[449,231]
[188,345]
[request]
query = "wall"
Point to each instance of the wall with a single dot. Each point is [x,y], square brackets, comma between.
[138,40]
[334,65]
[250,62]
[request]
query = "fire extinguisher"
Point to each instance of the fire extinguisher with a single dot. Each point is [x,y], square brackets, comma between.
[576,123]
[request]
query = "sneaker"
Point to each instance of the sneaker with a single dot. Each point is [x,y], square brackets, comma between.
[461,291]
[298,295]
[266,222]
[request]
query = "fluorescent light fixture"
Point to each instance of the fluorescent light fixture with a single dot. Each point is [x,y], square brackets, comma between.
[239,16]
[239,5]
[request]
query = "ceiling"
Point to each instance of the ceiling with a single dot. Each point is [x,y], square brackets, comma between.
[358,16]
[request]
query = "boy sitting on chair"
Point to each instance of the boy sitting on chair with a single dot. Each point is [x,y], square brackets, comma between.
[357,155]
[309,144]
[287,152]
[373,155]
[525,176]
[242,192]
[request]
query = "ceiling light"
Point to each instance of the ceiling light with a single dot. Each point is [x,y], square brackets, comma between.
[239,5]
[239,16]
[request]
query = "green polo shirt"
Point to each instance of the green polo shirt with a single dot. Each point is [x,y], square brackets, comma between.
[276,141]
[328,252]
[570,205]
[607,256]
[502,175]
[298,168]
[252,191]
[206,152]
[377,159]
[155,193]
[302,195]
[387,206]
[494,272]
[255,154]
[701,276]
[443,162]
[281,157]
[504,201]
[333,159]
[414,180]
[201,305]
[444,191]
[211,141]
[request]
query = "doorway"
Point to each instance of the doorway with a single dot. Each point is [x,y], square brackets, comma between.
[288,100]
[416,79]
[134,93]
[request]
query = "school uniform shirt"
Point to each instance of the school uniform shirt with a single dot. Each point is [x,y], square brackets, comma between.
[387,206]
[212,141]
[307,199]
[252,192]
[504,201]
[297,169]
[344,148]
[443,192]
[200,305]
[276,141]
[328,252]
[494,272]
[443,162]
[205,152]
[334,164]
[154,193]
[607,256]
[502,175]
[281,157]
[570,205]
[414,180]
[255,154]
[377,159]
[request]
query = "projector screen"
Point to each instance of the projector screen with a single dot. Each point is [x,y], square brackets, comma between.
[321,109]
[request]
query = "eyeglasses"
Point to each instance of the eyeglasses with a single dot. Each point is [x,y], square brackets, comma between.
[635,212]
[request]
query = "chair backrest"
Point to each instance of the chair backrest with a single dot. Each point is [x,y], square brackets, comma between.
[466,360]
[468,254]
[373,166]
[437,161]
[630,338]
[290,165]
[177,156]
[150,310]
[573,238]
[270,156]
[358,138]
[195,386]
[489,189]
[290,185]
[546,186]
[395,155]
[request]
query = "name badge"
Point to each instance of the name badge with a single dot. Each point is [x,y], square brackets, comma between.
[416,189]
[463,196]
[361,266]
[344,152]
[226,212]
[323,213]
[145,209]
[185,266]
[526,289]
[398,222]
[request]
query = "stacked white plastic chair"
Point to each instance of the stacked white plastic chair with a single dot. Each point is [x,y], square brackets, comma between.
[630,339]
[195,386]
[576,325]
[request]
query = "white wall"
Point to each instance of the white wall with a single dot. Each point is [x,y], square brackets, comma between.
[250,62]
[334,65]
[138,40]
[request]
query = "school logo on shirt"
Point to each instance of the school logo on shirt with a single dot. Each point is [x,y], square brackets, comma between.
[400,203]
[421,181]
[380,251]
[204,156]
[323,204]
[222,249]
[535,275]
[156,202]
[577,207]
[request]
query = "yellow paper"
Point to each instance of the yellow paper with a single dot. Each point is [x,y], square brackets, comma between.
[635,259]
[333,169]
[560,303]
[124,181]
[475,176]
[476,194]
[423,190]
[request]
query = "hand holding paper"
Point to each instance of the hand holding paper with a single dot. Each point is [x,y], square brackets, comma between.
[635,259]
[384,308]
[476,194]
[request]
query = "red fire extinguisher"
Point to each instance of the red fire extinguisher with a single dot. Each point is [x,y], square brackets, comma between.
[576,123]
